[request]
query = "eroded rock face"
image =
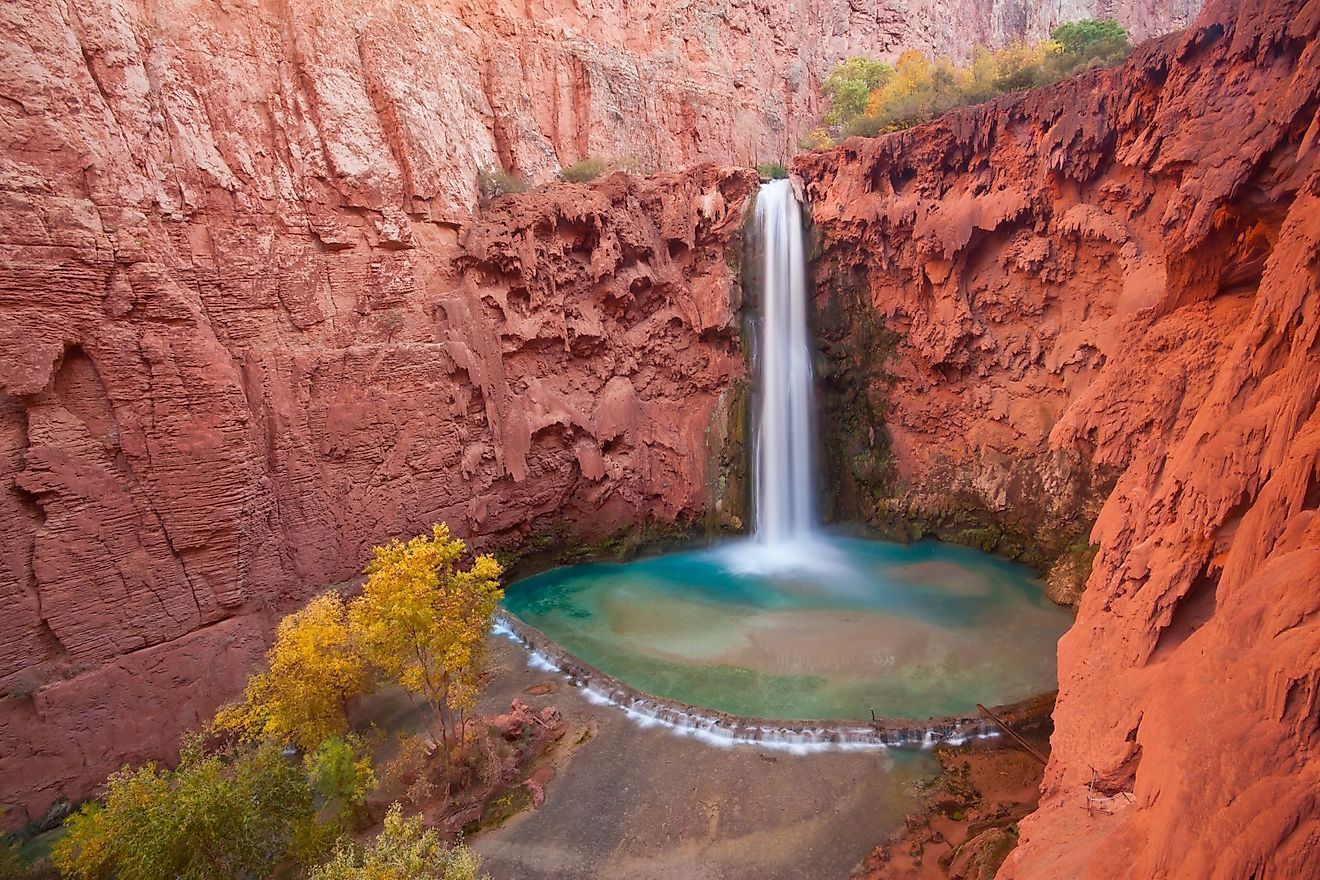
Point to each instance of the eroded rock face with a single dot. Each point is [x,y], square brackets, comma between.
[249,326]
[398,103]
[1121,273]
[209,414]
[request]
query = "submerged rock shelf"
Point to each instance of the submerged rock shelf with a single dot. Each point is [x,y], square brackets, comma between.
[799,736]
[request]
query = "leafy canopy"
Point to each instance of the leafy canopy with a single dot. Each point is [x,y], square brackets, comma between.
[423,620]
[1090,37]
[869,98]
[340,772]
[403,850]
[216,817]
[849,84]
[315,670]
[250,811]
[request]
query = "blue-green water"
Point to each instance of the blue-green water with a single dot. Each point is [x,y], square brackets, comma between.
[831,628]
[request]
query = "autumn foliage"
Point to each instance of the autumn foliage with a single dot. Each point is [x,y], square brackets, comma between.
[869,97]
[249,807]
[420,623]
[403,850]
[422,620]
[315,670]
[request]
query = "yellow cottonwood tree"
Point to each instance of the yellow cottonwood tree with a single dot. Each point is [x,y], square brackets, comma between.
[422,620]
[315,669]
[404,850]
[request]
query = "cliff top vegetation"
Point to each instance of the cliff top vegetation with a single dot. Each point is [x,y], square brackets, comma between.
[868,97]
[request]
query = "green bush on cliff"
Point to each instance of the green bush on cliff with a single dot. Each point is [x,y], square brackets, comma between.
[495,182]
[850,84]
[1090,43]
[772,170]
[582,172]
[917,88]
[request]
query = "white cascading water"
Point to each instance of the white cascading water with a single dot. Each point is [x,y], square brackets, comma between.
[784,484]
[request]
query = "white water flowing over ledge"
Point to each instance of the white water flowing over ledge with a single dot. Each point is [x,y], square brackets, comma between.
[725,730]
[784,480]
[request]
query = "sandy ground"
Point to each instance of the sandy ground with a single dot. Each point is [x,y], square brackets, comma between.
[629,803]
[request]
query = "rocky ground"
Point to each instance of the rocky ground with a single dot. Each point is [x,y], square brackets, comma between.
[969,822]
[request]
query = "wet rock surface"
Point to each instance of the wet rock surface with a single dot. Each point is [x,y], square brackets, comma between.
[967,823]
[1117,276]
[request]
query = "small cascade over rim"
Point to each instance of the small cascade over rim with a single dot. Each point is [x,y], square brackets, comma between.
[785,488]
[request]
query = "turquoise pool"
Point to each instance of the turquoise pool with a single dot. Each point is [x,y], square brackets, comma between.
[831,628]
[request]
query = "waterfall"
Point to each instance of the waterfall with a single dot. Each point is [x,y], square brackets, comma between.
[784,485]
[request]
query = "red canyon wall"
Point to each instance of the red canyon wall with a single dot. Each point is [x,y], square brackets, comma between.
[249,326]
[404,100]
[1121,274]
[231,360]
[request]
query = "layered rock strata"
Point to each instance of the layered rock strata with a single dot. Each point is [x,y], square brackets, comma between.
[1105,294]
[404,101]
[210,414]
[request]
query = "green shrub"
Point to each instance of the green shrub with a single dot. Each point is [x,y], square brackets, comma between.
[584,171]
[340,772]
[217,817]
[917,88]
[16,865]
[772,170]
[404,850]
[495,182]
[1093,39]
[848,86]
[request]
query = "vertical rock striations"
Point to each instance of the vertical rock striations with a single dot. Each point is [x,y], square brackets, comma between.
[1115,282]
[398,102]
[249,324]
[239,344]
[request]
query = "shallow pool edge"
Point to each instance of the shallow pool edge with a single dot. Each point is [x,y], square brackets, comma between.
[798,736]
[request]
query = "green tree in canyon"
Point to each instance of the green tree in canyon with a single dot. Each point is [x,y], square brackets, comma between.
[869,97]
[218,816]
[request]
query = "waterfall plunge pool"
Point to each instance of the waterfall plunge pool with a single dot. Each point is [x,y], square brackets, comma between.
[796,623]
[830,627]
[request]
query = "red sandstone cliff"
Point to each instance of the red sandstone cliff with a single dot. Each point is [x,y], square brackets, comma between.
[1121,273]
[209,413]
[403,101]
[248,325]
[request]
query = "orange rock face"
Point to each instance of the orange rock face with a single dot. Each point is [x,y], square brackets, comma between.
[250,325]
[212,407]
[1121,273]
